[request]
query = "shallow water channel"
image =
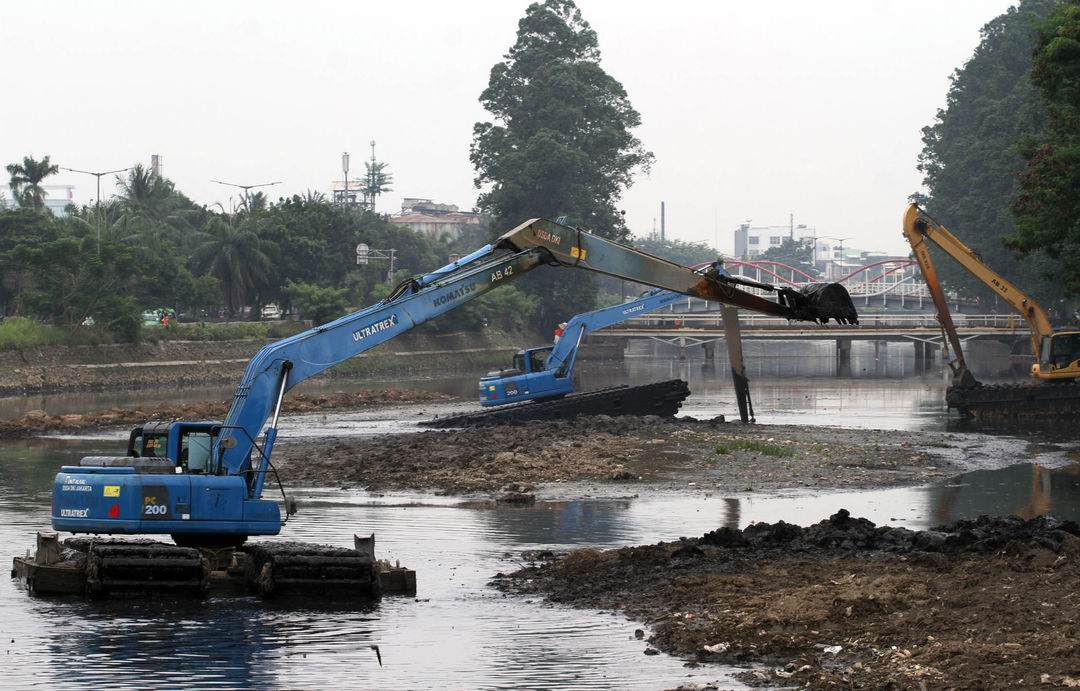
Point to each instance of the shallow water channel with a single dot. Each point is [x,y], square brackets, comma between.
[458,632]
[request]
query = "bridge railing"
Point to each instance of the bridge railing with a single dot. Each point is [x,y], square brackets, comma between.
[887,278]
[712,321]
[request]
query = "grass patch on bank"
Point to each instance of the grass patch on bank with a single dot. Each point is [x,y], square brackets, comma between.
[19,332]
[751,445]
[232,331]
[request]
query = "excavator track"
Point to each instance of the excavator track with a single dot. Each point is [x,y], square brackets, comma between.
[122,568]
[294,568]
[1017,403]
[661,398]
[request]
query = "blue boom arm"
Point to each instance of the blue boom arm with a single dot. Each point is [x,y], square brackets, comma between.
[566,350]
[278,367]
[526,383]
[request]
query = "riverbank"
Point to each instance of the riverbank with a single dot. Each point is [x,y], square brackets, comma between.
[169,364]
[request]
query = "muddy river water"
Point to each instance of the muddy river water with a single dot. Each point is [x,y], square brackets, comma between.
[458,632]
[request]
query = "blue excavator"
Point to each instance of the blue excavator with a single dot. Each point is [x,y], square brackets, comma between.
[546,372]
[202,483]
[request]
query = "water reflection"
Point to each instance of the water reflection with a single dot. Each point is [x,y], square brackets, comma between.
[1026,490]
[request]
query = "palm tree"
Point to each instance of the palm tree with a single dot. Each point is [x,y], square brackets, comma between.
[147,194]
[26,181]
[153,211]
[254,203]
[312,197]
[378,181]
[232,253]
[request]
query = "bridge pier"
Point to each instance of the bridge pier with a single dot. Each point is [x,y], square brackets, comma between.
[710,351]
[843,357]
[924,356]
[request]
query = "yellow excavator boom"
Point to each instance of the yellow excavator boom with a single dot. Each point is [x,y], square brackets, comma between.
[1057,354]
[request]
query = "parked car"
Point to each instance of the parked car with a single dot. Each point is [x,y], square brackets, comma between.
[271,312]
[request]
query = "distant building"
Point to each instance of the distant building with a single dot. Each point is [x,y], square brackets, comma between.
[57,198]
[751,243]
[434,220]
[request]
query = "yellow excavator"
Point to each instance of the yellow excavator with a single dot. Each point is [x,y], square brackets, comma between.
[1057,353]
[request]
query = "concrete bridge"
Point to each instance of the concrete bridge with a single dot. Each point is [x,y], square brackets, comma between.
[686,329]
[891,296]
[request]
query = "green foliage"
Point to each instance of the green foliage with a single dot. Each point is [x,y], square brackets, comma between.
[73,281]
[751,445]
[318,303]
[19,332]
[26,180]
[685,253]
[233,252]
[796,253]
[120,316]
[505,308]
[157,250]
[560,144]
[1048,208]
[970,158]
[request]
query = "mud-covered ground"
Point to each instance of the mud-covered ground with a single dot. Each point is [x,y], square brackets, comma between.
[987,604]
[840,605]
[625,454]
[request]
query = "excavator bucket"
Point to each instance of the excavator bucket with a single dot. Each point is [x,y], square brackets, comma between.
[821,302]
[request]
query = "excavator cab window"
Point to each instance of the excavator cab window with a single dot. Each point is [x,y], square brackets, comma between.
[155,445]
[1065,349]
[195,451]
[538,358]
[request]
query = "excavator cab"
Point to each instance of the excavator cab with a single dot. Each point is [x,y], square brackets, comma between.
[186,444]
[1059,353]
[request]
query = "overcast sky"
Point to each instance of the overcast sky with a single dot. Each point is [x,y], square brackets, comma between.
[754,110]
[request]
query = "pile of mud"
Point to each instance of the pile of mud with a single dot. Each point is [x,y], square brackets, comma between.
[37,421]
[983,603]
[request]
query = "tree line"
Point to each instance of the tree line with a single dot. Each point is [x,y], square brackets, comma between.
[149,247]
[1001,162]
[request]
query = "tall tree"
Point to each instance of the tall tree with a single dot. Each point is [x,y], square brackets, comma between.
[970,157]
[26,180]
[1048,208]
[234,254]
[561,143]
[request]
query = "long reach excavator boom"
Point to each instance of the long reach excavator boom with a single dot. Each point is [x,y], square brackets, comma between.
[1057,353]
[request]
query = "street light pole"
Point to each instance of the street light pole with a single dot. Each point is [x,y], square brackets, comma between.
[98,176]
[830,237]
[345,167]
[246,188]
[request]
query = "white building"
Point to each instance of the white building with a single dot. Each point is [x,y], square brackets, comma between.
[752,242]
[57,198]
